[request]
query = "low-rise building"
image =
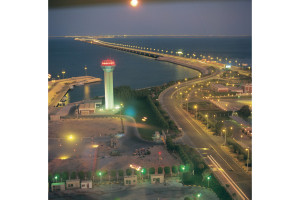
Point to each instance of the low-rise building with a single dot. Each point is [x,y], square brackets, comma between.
[247,88]
[235,89]
[73,184]
[58,186]
[86,184]
[130,180]
[86,108]
[157,178]
[219,88]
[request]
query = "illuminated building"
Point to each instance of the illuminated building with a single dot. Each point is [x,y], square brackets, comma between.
[108,67]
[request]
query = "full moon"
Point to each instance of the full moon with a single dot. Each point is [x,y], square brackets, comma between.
[134,3]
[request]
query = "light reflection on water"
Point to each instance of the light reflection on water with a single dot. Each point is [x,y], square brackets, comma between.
[86,92]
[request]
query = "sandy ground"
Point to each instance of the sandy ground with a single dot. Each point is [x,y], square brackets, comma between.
[84,127]
[90,147]
[152,160]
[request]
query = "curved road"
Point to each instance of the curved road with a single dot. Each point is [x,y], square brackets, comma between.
[196,137]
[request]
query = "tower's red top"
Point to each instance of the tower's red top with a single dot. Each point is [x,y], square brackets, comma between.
[108,62]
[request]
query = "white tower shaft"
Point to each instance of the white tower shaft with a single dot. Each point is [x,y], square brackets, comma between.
[109,90]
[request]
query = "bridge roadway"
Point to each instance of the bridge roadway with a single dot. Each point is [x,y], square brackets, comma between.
[206,144]
[186,62]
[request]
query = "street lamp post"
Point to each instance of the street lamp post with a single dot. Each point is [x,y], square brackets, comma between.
[206,120]
[181,99]
[121,117]
[85,68]
[224,130]
[63,73]
[247,158]
[208,178]
[196,107]
[187,105]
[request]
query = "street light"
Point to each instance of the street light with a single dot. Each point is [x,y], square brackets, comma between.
[63,72]
[199,195]
[247,158]
[187,105]
[55,178]
[224,130]
[206,120]
[196,107]
[208,178]
[85,68]
[122,105]
[100,174]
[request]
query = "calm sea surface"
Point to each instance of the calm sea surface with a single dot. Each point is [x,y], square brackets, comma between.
[134,70]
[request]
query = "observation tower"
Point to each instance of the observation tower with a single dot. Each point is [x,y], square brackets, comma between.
[108,67]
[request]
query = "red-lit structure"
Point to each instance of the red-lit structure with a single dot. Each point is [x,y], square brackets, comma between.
[108,62]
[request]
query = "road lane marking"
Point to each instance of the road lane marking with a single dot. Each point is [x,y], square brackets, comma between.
[222,157]
[234,185]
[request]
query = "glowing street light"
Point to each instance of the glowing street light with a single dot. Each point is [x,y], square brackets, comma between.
[63,72]
[206,120]
[85,68]
[208,178]
[187,105]
[196,107]
[70,137]
[247,158]
[199,195]
[224,130]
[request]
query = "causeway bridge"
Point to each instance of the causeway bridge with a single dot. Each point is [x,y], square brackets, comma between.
[202,67]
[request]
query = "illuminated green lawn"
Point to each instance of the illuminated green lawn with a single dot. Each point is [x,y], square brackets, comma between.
[139,108]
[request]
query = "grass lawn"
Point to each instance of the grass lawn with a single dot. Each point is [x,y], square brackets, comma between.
[139,108]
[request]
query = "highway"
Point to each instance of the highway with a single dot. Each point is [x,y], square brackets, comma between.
[206,145]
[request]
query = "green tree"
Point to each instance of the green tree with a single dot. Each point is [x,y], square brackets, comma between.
[121,172]
[73,175]
[128,172]
[174,169]
[88,174]
[152,170]
[167,170]
[50,177]
[206,173]
[113,173]
[81,175]
[218,127]
[160,170]
[65,175]
[244,111]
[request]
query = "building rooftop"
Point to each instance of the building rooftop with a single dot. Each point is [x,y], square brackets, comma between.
[87,106]
[85,181]
[218,86]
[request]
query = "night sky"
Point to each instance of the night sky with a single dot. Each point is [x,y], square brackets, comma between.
[181,18]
